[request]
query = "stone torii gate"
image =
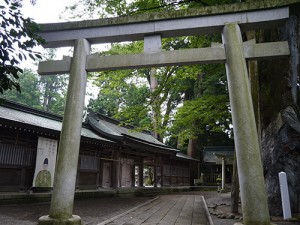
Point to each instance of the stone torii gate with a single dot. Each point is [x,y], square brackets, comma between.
[228,20]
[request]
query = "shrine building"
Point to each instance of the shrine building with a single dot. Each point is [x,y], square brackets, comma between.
[110,156]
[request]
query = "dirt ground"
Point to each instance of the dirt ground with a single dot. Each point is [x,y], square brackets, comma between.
[94,211]
[220,208]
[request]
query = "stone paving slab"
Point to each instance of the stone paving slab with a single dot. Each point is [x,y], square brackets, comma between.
[166,210]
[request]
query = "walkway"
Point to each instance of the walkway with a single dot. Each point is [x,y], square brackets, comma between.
[165,210]
[183,209]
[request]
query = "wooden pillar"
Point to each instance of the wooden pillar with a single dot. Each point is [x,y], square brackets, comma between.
[62,201]
[98,173]
[155,172]
[23,178]
[132,173]
[253,191]
[141,174]
[161,174]
[223,173]
[101,173]
[116,170]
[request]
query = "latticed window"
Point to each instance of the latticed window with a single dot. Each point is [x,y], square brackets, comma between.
[17,155]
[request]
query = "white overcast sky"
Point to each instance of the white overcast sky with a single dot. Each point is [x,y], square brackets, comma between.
[47,11]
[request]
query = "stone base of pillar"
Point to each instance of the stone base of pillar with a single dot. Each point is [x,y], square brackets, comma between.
[46,220]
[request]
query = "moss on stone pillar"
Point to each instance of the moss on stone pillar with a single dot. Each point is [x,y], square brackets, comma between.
[253,191]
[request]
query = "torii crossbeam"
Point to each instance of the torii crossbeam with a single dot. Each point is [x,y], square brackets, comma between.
[229,21]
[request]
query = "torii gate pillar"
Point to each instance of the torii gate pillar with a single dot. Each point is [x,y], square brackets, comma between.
[253,192]
[61,208]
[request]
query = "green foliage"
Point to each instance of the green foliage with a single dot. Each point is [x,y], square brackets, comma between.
[209,112]
[17,39]
[202,89]
[113,8]
[122,97]
[205,114]
[54,90]
[30,94]
[42,92]
[47,93]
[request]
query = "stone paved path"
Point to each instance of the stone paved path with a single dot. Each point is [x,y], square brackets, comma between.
[165,210]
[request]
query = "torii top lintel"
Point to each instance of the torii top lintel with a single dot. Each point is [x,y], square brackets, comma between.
[249,15]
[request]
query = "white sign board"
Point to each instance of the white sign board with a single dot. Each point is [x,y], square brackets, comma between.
[45,162]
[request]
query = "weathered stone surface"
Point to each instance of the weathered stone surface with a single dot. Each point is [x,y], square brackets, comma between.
[253,193]
[281,152]
[279,120]
[153,16]
[62,200]
[189,22]
[73,220]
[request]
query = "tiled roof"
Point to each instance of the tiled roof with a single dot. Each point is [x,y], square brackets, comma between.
[111,128]
[98,127]
[26,115]
[183,156]
[214,154]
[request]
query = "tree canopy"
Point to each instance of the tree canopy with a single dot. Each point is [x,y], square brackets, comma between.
[17,40]
[176,101]
[185,101]
[41,92]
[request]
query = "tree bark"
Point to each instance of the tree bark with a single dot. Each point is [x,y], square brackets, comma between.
[281,150]
[279,119]
[155,106]
[192,145]
[235,189]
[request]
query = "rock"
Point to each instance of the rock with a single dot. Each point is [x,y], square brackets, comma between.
[223,216]
[230,216]
[213,206]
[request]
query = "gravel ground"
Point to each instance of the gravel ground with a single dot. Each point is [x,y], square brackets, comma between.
[94,211]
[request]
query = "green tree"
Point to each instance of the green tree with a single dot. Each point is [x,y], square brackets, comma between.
[17,40]
[112,8]
[53,90]
[169,86]
[42,92]
[30,95]
[128,103]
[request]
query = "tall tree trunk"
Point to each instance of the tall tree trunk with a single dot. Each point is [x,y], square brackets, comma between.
[155,104]
[192,146]
[254,83]
[45,97]
[235,189]
[279,116]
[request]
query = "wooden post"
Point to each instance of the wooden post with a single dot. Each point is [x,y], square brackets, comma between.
[132,172]
[141,174]
[116,170]
[253,191]
[223,173]
[100,173]
[62,201]
[155,172]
